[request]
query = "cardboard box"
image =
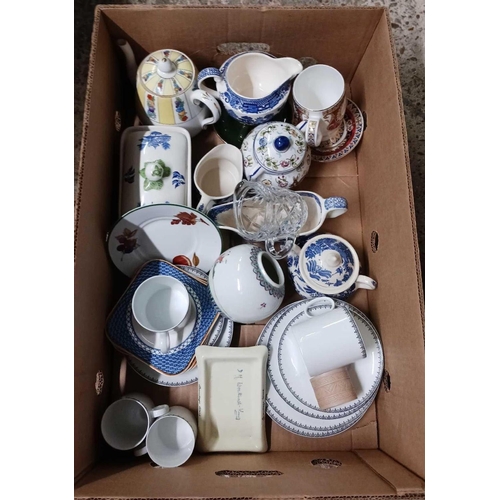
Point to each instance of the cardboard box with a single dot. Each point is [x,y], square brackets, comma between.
[383,455]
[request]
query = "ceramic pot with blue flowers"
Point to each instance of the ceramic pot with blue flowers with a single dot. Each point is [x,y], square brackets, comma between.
[252,86]
[327,265]
[276,154]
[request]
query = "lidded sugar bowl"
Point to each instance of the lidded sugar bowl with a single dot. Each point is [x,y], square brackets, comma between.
[276,154]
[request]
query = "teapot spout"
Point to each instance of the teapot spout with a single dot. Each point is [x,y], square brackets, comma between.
[290,68]
[129,59]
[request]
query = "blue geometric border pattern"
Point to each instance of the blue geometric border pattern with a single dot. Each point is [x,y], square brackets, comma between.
[335,202]
[278,292]
[226,323]
[121,332]
[345,409]
[340,410]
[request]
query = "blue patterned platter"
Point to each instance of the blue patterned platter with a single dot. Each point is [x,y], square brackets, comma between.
[288,411]
[155,166]
[121,333]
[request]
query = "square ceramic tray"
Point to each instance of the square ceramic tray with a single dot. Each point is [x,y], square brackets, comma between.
[231,398]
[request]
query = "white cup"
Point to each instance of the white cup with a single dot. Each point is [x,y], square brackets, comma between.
[126,422]
[160,304]
[217,175]
[319,105]
[329,339]
[171,439]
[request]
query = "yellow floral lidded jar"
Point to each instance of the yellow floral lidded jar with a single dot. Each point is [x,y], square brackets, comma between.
[168,94]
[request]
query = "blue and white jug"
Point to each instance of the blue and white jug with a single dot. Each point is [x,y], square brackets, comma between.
[252,86]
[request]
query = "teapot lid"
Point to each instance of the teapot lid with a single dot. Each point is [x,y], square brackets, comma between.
[279,147]
[329,264]
[166,73]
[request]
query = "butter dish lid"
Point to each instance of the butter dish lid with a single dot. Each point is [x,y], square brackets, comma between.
[167,73]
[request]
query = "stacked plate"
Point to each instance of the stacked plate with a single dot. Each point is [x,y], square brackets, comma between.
[291,402]
[173,368]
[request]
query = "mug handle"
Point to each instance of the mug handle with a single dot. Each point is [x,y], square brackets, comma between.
[310,129]
[365,282]
[205,204]
[201,96]
[335,206]
[286,246]
[160,410]
[319,301]
[209,73]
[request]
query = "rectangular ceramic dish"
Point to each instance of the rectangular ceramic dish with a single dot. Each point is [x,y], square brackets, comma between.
[144,148]
[231,392]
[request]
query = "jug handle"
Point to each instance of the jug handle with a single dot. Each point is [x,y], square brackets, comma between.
[201,96]
[209,73]
[365,282]
[335,206]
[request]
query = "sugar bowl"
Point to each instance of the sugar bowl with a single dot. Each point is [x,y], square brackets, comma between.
[276,154]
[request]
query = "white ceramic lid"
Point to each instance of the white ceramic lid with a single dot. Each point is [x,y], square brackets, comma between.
[167,73]
[279,147]
[329,264]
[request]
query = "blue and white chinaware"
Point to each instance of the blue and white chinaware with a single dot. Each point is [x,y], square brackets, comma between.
[252,86]
[247,284]
[326,265]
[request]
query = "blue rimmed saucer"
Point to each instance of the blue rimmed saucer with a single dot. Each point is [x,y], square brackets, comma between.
[120,330]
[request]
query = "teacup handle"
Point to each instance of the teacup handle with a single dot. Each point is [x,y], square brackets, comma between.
[201,96]
[319,301]
[286,246]
[311,131]
[163,341]
[209,73]
[335,206]
[365,282]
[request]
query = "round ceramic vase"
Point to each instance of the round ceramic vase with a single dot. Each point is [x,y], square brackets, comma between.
[247,284]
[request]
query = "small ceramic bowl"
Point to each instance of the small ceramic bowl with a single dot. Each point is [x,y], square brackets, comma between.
[247,284]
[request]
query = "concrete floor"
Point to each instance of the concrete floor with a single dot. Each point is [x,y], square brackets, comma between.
[407,18]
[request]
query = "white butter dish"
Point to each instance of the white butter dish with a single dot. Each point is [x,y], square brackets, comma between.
[231,398]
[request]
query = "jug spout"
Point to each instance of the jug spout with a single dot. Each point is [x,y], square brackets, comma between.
[290,68]
[129,59]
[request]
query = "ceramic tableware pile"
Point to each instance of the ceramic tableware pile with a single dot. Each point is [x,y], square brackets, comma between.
[318,363]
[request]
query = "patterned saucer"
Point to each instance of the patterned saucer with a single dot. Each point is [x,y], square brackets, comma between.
[355,124]
[120,330]
[176,233]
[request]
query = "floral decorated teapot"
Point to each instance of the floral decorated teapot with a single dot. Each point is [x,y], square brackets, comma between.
[276,154]
[252,86]
[326,265]
[167,92]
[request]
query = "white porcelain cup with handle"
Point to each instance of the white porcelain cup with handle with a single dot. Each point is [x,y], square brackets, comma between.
[171,438]
[319,105]
[328,339]
[126,422]
[217,175]
[161,304]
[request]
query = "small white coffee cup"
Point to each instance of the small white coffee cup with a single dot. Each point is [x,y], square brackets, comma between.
[126,422]
[171,438]
[217,175]
[160,304]
[328,340]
